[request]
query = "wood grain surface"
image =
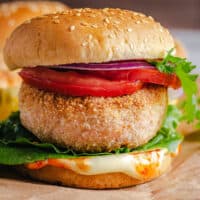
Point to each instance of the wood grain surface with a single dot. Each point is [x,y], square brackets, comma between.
[181,182]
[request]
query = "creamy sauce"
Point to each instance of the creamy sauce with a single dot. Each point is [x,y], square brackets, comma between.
[139,165]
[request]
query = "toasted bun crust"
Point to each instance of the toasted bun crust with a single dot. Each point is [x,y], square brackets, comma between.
[67,177]
[92,123]
[86,36]
[14,13]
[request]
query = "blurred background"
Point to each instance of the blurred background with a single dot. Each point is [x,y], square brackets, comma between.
[172,13]
[182,17]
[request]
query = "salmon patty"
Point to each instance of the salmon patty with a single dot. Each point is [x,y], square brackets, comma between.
[93,124]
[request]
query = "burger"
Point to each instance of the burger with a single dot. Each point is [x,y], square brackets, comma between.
[11,15]
[93,105]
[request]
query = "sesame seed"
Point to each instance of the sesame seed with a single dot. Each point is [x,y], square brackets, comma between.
[56,21]
[150,17]
[141,15]
[94,26]
[27,21]
[116,22]
[111,36]
[105,10]
[78,14]
[161,30]
[72,28]
[64,13]
[84,44]
[107,20]
[138,22]
[87,10]
[89,36]
[145,21]
[129,29]
[55,17]
[84,24]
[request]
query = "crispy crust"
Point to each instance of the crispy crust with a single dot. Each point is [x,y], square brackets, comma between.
[14,13]
[86,36]
[91,123]
[67,177]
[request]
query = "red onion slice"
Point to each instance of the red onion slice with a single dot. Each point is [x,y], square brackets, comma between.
[119,65]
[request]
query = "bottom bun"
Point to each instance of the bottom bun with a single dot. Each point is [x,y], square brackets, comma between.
[67,177]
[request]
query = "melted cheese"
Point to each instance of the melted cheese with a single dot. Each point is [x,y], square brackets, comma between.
[139,165]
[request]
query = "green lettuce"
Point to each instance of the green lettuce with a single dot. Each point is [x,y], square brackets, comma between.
[19,146]
[183,69]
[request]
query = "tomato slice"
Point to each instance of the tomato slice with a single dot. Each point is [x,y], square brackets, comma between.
[72,83]
[142,74]
[96,83]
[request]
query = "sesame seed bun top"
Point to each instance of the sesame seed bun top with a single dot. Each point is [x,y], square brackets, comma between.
[86,36]
[14,13]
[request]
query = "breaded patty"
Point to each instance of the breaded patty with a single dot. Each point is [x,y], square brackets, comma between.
[93,124]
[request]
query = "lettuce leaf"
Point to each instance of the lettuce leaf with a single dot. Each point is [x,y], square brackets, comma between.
[183,69]
[19,146]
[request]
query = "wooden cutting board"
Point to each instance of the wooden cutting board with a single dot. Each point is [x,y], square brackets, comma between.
[182,182]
